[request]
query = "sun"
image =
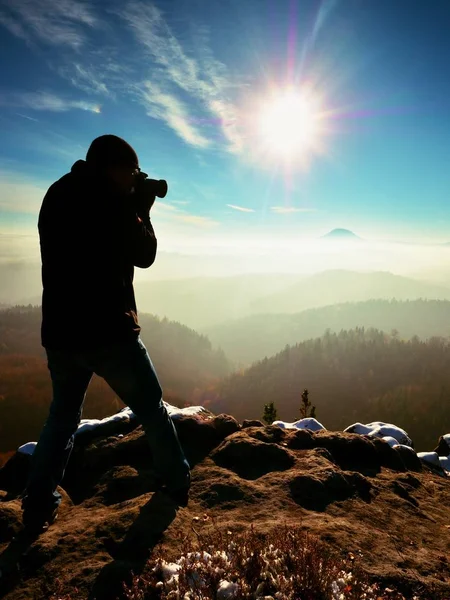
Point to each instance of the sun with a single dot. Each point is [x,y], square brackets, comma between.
[289,124]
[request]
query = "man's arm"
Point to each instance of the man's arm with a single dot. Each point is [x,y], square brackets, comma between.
[143,243]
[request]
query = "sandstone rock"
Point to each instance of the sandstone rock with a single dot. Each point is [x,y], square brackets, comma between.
[443,447]
[252,423]
[251,458]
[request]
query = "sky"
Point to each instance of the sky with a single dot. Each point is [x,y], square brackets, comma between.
[273,121]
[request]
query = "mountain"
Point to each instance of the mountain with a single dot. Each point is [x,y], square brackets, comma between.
[336,286]
[330,503]
[252,338]
[203,302]
[350,375]
[341,234]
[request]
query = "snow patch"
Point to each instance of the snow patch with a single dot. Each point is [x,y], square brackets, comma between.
[381,430]
[430,457]
[126,414]
[308,423]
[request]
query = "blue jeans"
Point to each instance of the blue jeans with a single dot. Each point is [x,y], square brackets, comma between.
[129,371]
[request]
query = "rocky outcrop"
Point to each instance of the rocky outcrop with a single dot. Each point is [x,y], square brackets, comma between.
[357,492]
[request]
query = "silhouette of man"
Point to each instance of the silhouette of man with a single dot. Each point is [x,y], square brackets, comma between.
[93,232]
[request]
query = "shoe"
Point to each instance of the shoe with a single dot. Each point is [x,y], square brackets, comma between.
[37,523]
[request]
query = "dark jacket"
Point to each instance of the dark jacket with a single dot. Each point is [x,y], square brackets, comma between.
[91,238]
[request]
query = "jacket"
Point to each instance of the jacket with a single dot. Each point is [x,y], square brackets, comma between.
[91,238]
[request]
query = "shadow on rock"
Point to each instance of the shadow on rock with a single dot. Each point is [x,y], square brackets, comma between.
[131,554]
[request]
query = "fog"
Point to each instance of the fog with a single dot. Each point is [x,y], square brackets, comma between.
[208,285]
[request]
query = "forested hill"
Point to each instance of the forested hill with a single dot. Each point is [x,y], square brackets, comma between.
[184,360]
[356,375]
[252,338]
[165,340]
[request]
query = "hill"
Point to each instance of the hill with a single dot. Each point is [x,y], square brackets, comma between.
[346,500]
[337,286]
[184,360]
[204,302]
[254,337]
[340,234]
[353,375]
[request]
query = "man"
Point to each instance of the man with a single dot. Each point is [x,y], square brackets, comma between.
[94,229]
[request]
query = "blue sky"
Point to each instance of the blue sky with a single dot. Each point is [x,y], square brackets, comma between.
[188,85]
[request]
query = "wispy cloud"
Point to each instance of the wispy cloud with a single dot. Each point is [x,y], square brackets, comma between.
[198,220]
[27,117]
[46,101]
[173,214]
[241,208]
[291,209]
[55,23]
[168,108]
[197,74]
[86,78]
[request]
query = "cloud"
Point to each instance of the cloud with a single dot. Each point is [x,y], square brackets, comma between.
[55,23]
[88,79]
[46,101]
[168,108]
[198,220]
[241,208]
[290,209]
[202,77]
[174,214]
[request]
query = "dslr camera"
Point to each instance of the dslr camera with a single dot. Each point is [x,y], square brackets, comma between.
[145,191]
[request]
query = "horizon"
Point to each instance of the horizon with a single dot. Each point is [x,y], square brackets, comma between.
[318,121]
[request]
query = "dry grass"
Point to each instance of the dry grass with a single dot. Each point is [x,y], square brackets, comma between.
[287,564]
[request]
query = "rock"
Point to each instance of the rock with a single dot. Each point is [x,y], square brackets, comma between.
[270,434]
[316,491]
[443,447]
[251,458]
[307,423]
[409,457]
[251,423]
[350,451]
[300,439]
[225,425]
[381,429]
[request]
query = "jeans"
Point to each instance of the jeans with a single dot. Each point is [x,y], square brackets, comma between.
[129,371]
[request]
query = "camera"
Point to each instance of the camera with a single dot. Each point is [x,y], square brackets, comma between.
[150,187]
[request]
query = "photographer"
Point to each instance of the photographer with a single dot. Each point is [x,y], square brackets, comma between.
[94,228]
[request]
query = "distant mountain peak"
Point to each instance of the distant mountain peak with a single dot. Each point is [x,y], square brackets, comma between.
[341,234]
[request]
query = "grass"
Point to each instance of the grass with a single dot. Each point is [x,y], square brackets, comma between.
[286,564]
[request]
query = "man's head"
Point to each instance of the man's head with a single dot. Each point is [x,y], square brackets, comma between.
[114,157]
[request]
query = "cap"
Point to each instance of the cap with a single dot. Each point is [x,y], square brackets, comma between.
[111,150]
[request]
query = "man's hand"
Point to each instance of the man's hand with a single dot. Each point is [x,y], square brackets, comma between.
[143,197]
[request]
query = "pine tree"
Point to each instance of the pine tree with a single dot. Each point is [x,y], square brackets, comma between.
[305,406]
[270,413]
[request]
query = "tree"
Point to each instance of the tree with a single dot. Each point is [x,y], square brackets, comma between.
[305,406]
[270,413]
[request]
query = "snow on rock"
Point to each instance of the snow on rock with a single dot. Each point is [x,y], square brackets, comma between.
[381,430]
[125,414]
[27,448]
[430,457]
[308,423]
[445,462]
[176,412]
[227,590]
[390,440]
[89,424]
